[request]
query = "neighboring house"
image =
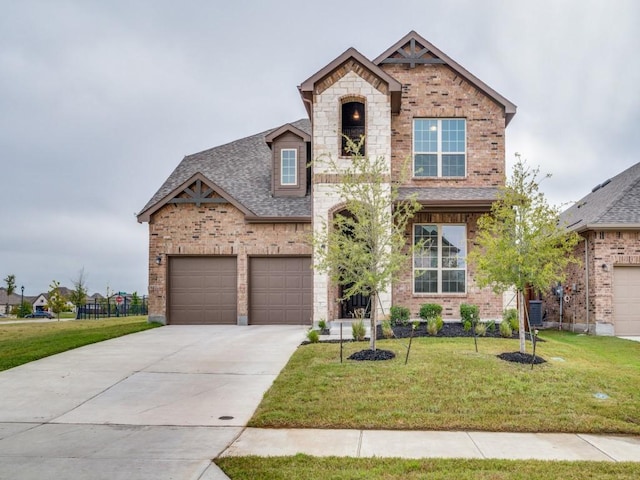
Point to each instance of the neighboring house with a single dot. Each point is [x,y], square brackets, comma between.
[11,301]
[229,229]
[602,294]
[40,302]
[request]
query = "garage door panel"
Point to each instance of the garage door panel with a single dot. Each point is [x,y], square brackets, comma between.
[280,290]
[202,290]
[626,300]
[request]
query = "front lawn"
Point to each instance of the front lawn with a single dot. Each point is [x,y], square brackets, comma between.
[25,342]
[304,467]
[447,386]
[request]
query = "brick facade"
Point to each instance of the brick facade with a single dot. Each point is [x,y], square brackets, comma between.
[187,229]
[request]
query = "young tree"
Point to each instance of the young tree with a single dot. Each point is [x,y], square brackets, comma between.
[364,250]
[56,301]
[10,282]
[135,303]
[521,243]
[78,295]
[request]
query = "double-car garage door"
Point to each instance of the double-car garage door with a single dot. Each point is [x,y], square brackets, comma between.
[203,290]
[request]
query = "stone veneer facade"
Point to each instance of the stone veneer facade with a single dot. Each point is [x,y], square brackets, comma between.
[345,83]
[186,229]
[590,305]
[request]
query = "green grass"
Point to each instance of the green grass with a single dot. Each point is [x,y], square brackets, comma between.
[303,467]
[25,342]
[447,386]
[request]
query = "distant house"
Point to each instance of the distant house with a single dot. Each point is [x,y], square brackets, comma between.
[602,294]
[229,229]
[8,302]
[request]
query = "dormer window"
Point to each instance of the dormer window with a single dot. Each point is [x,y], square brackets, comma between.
[353,124]
[288,166]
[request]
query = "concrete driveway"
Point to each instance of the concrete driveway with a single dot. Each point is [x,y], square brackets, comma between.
[158,404]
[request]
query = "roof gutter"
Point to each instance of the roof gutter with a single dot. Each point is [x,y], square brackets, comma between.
[256,219]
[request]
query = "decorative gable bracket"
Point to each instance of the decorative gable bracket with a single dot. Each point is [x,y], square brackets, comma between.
[198,195]
[413,57]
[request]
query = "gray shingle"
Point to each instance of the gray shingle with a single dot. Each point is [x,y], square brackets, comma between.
[616,202]
[243,169]
[448,194]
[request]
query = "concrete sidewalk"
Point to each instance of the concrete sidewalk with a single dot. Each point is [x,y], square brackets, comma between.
[422,444]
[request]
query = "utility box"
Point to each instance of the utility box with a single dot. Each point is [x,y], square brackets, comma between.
[535,313]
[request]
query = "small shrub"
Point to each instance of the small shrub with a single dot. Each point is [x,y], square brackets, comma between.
[491,326]
[470,315]
[430,310]
[322,324]
[481,329]
[313,336]
[439,322]
[358,330]
[387,331]
[432,326]
[399,315]
[510,315]
[505,329]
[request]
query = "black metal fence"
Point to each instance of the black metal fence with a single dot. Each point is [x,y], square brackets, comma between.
[105,308]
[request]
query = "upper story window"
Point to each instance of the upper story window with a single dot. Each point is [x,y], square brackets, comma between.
[439,147]
[353,122]
[440,265]
[289,166]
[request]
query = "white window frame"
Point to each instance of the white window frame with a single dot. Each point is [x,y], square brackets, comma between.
[439,268]
[439,151]
[295,167]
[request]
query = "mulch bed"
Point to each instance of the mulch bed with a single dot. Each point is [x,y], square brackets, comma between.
[450,330]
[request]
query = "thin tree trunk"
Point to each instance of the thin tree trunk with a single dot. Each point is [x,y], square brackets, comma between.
[521,331]
[373,298]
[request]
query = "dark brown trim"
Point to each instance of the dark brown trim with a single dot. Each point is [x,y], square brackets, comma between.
[256,219]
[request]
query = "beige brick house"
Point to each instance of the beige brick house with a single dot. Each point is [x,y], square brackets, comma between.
[602,294]
[229,230]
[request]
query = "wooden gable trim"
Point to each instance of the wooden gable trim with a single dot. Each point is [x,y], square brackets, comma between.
[198,195]
[287,128]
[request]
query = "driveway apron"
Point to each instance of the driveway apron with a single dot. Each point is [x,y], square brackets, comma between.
[158,404]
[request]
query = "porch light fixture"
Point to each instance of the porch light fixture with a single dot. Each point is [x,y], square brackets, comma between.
[605,268]
[159,259]
[356,114]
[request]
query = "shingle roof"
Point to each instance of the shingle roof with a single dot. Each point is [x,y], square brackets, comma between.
[613,203]
[243,170]
[451,195]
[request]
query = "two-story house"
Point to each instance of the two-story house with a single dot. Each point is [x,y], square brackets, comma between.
[229,229]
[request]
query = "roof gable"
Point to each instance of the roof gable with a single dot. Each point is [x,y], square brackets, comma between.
[354,61]
[198,189]
[414,50]
[284,129]
[613,204]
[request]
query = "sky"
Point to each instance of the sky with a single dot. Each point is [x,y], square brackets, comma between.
[99,102]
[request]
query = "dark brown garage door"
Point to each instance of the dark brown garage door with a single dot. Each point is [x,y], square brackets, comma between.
[281,291]
[202,290]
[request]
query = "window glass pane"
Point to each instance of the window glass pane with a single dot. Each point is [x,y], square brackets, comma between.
[453,136]
[454,246]
[453,281]
[452,165]
[426,165]
[288,173]
[425,135]
[426,281]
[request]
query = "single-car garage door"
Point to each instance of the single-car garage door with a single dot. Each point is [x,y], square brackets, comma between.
[626,300]
[202,290]
[280,290]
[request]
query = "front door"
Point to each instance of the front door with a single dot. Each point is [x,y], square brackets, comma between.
[349,306]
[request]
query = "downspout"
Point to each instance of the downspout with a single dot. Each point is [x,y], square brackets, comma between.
[586,276]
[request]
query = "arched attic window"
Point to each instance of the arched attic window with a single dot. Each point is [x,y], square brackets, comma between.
[353,123]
